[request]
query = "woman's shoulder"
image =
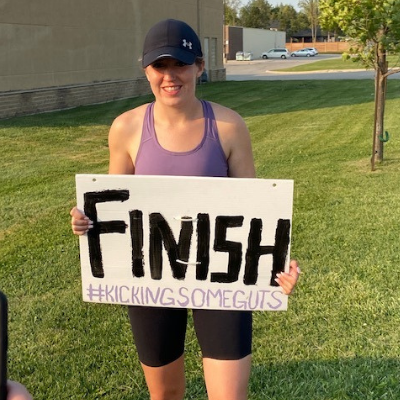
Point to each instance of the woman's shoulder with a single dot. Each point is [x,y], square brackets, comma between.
[129,122]
[225,114]
[131,117]
[235,141]
[226,118]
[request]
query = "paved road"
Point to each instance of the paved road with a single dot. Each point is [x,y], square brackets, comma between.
[266,70]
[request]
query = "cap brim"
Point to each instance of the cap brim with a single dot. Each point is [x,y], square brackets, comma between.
[168,52]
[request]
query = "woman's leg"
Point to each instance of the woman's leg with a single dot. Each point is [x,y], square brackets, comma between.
[159,335]
[166,382]
[227,379]
[225,341]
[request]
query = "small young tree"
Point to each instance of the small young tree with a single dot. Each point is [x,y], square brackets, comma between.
[373,27]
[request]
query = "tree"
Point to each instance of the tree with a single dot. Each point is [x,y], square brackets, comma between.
[288,19]
[231,10]
[311,9]
[373,27]
[256,14]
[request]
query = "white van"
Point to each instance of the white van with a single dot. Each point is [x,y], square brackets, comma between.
[276,53]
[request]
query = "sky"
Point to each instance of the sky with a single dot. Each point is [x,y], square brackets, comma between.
[293,3]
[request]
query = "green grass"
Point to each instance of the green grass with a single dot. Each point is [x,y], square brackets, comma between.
[336,64]
[340,337]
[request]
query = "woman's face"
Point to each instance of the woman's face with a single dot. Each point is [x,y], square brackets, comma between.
[173,81]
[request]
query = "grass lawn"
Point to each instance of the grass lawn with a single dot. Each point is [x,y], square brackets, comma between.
[340,337]
[336,64]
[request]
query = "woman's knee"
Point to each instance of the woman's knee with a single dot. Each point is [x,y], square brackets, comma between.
[171,389]
[167,393]
[166,382]
[227,379]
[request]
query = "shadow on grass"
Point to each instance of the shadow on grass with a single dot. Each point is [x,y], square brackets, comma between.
[249,98]
[357,378]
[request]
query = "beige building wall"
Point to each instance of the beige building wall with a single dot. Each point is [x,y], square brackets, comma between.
[257,41]
[65,43]
[251,40]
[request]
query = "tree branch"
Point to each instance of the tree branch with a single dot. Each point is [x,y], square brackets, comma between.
[391,72]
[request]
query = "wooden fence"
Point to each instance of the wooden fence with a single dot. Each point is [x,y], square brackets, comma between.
[322,47]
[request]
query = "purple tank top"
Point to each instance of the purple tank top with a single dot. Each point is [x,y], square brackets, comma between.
[207,159]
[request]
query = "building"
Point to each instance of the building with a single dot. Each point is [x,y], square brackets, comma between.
[251,40]
[59,54]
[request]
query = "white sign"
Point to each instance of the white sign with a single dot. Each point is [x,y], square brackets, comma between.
[186,242]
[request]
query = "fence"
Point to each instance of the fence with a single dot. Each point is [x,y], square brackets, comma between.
[322,47]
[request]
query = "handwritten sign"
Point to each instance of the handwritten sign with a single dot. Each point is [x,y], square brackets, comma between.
[186,242]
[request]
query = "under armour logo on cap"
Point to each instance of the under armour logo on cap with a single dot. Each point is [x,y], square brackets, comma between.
[188,44]
[171,38]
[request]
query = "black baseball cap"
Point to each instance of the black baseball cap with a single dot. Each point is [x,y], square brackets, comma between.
[171,38]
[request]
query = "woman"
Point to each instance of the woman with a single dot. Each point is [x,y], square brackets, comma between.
[16,391]
[178,134]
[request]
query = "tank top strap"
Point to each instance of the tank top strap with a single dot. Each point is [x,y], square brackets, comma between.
[210,123]
[148,123]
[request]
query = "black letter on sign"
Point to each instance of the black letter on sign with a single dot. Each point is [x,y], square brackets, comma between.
[233,248]
[203,246]
[254,251]
[91,199]
[282,238]
[161,232]
[136,219]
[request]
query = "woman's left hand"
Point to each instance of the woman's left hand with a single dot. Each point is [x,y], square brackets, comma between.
[16,391]
[287,280]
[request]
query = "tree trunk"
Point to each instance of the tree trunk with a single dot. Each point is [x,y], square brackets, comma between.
[380,98]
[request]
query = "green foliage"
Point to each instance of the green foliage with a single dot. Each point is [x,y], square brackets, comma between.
[367,23]
[339,339]
[288,19]
[256,14]
[231,11]
[311,9]
[260,14]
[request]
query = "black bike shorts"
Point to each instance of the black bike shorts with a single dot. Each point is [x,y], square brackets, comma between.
[159,333]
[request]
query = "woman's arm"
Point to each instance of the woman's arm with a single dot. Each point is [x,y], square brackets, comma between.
[123,142]
[235,140]
[240,160]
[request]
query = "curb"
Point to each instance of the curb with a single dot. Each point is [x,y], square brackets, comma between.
[324,71]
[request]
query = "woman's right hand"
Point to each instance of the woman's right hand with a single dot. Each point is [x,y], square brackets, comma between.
[80,223]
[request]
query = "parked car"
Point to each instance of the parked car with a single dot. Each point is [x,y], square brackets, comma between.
[303,53]
[276,53]
[313,49]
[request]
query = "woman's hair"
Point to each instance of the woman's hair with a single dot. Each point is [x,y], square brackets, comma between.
[199,61]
